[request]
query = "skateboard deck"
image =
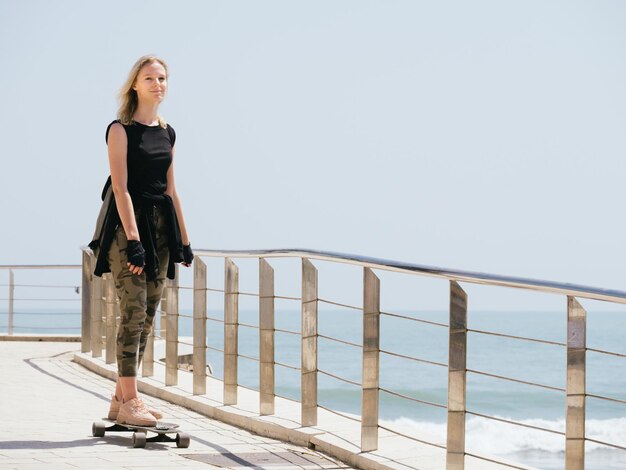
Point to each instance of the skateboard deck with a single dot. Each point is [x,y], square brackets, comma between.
[182,439]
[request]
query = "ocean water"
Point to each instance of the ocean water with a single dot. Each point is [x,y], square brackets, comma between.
[539,363]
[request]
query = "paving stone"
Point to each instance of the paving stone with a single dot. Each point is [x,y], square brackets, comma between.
[54,402]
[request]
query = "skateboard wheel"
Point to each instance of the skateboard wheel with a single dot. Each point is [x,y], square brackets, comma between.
[139,439]
[97,429]
[182,440]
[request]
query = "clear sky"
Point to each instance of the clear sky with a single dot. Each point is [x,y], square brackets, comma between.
[483,135]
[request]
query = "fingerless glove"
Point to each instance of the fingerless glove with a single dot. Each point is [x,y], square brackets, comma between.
[136,254]
[187,254]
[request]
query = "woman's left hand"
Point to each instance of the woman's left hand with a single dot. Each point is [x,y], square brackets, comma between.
[187,255]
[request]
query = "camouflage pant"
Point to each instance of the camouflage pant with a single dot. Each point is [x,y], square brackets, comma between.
[139,298]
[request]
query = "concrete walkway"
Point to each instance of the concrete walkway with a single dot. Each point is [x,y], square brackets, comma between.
[49,403]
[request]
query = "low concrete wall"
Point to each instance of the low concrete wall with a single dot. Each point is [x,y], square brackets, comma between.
[337,435]
[56,338]
[284,428]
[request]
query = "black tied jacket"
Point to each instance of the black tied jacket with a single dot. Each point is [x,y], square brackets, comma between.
[109,220]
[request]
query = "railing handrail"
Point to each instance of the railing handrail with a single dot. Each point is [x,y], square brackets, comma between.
[94,300]
[575,290]
[40,266]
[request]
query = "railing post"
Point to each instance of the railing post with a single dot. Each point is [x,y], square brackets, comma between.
[457,365]
[199,327]
[171,336]
[110,301]
[163,312]
[147,364]
[11,299]
[85,323]
[576,372]
[371,365]
[96,314]
[231,330]
[266,340]
[147,369]
[309,344]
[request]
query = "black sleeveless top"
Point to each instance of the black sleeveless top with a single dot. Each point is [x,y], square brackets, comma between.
[149,157]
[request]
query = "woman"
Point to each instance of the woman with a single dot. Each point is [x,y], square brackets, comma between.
[141,231]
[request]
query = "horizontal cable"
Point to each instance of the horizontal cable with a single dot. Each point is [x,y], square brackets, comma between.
[600,351]
[249,294]
[214,290]
[441,364]
[548,387]
[339,378]
[340,341]
[46,300]
[417,400]
[615,446]
[522,338]
[16,267]
[412,438]
[339,304]
[339,414]
[47,327]
[247,325]
[193,317]
[419,320]
[287,366]
[486,459]
[218,320]
[185,343]
[255,359]
[184,315]
[516,423]
[40,285]
[185,288]
[284,297]
[58,314]
[279,330]
[284,397]
[246,387]
[599,397]
[214,349]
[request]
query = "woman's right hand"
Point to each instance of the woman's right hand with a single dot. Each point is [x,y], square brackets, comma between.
[136,256]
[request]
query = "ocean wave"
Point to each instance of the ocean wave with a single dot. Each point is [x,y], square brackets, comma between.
[490,437]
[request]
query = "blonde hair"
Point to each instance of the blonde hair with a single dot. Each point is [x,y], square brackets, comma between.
[128,96]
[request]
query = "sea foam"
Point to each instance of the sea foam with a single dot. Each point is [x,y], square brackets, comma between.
[491,437]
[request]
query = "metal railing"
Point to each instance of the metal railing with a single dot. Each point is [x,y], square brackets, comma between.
[12,314]
[575,395]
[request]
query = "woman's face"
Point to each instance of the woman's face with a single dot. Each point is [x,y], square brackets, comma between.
[151,83]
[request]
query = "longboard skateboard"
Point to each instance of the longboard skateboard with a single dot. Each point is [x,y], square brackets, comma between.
[182,439]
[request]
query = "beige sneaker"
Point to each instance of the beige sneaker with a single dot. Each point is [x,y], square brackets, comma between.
[135,412]
[114,409]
